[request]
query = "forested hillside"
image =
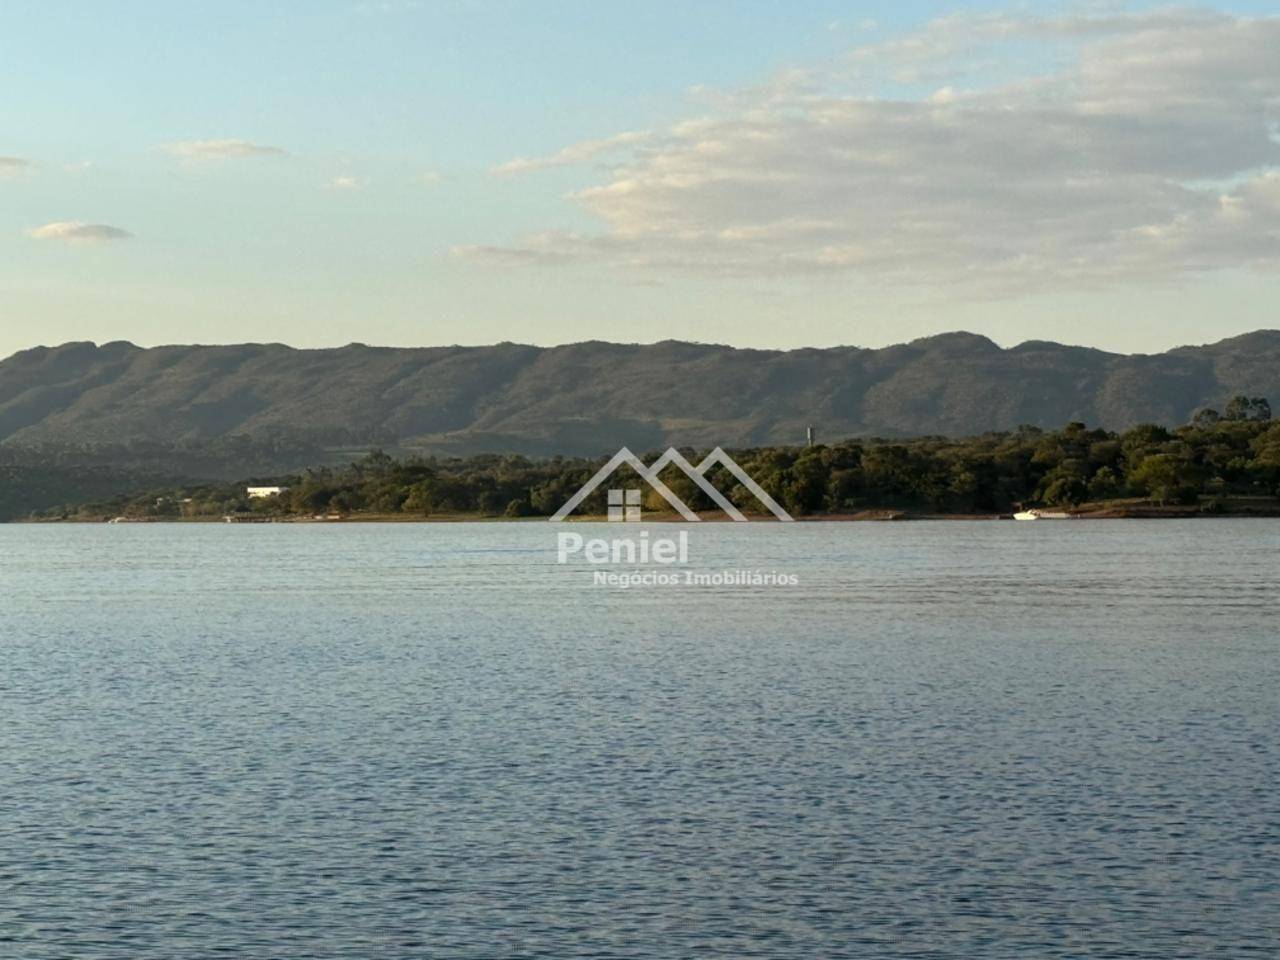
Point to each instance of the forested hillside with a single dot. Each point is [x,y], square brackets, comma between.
[588,399]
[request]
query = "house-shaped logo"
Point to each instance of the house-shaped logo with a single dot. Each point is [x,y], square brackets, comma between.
[624,504]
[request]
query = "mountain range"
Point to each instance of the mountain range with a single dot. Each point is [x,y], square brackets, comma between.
[588,398]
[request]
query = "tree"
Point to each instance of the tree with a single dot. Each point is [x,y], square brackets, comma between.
[518,508]
[418,501]
[1255,409]
[492,502]
[1065,483]
[806,484]
[1205,417]
[1104,485]
[1163,477]
[375,462]
[312,496]
[887,471]
[1066,491]
[1265,465]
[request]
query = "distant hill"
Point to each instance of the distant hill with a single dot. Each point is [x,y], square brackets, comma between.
[588,398]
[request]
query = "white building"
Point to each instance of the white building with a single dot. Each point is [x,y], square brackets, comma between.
[256,493]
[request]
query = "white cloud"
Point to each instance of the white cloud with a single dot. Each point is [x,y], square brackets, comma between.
[345,182]
[14,166]
[73,231]
[198,150]
[1149,152]
[578,153]
[428,179]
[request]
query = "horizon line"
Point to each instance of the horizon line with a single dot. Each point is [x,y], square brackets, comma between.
[104,344]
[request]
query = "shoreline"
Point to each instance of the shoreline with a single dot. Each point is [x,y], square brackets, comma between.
[1261,508]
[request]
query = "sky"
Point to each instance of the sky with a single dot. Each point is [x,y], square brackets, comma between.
[756,173]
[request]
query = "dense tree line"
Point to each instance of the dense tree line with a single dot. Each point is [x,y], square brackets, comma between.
[1218,455]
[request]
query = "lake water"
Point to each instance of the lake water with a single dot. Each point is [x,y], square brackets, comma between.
[969,740]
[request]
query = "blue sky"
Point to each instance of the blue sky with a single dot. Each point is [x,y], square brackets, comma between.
[320,173]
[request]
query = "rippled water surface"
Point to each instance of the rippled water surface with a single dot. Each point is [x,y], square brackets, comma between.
[966,740]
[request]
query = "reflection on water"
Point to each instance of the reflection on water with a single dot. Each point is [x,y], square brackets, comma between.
[949,740]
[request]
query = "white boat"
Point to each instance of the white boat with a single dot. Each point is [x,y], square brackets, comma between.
[1037,514]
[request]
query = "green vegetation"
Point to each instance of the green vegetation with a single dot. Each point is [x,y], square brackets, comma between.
[1214,459]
